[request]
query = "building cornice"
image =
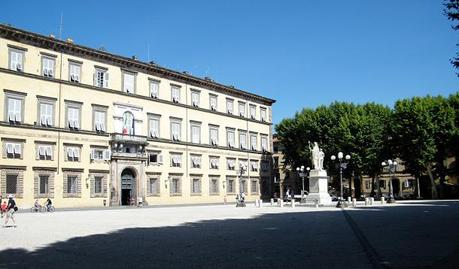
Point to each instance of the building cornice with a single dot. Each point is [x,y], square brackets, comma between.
[60,46]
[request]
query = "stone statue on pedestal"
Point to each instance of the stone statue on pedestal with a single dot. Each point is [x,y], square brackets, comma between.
[318,179]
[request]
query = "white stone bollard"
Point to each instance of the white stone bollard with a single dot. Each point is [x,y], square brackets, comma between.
[349,199]
[293,203]
[256,203]
[272,201]
[281,203]
[383,200]
[372,200]
[367,201]
[354,202]
[316,203]
[260,203]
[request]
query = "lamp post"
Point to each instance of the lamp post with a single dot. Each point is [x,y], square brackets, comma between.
[302,174]
[392,165]
[240,199]
[342,166]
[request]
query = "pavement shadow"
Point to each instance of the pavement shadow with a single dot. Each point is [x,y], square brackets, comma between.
[317,239]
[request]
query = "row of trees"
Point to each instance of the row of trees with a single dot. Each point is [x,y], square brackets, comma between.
[421,131]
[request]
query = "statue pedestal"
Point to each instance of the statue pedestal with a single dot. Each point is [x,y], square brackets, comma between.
[318,188]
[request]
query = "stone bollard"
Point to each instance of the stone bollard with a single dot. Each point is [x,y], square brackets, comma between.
[260,203]
[354,202]
[272,201]
[281,203]
[316,203]
[349,200]
[383,200]
[293,203]
[372,200]
[367,201]
[257,203]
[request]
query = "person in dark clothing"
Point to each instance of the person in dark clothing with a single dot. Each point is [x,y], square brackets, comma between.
[10,209]
[48,204]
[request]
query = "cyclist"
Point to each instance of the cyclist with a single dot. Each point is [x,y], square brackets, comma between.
[48,204]
[36,206]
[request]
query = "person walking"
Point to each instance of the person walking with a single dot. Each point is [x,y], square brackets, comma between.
[11,208]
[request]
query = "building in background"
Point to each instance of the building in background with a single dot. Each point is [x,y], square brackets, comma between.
[89,128]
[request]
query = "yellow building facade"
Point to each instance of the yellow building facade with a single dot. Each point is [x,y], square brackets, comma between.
[89,128]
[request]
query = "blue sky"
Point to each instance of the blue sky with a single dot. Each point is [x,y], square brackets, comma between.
[301,53]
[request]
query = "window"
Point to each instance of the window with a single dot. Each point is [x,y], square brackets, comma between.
[263,114]
[128,82]
[254,186]
[16,59]
[72,184]
[100,154]
[98,184]
[213,186]
[74,72]
[46,112]
[241,109]
[213,101]
[243,166]
[153,186]
[253,142]
[254,166]
[45,152]
[382,183]
[175,186]
[242,139]
[73,115]
[195,133]
[14,106]
[47,66]
[176,160]
[231,164]
[175,91]
[230,106]
[214,162]
[367,184]
[128,123]
[176,129]
[11,183]
[73,154]
[264,143]
[230,137]
[264,165]
[153,121]
[196,186]
[230,185]
[101,78]
[44,184]
[155,158]
[195,98]
[13,150]
[99,119]
[253,111]
[154,88]
[213,135]
[196,161]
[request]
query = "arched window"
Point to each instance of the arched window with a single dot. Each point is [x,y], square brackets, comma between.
[128,123]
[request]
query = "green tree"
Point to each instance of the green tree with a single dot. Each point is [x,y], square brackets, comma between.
[452,12]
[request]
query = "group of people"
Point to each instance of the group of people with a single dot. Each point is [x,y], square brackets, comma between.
[47,205]
[8,208]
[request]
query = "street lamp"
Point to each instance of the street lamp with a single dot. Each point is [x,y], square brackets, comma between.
[342,166]
[240,199]
[392,165]
[302,174]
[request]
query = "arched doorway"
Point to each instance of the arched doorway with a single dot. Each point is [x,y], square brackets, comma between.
[127,186]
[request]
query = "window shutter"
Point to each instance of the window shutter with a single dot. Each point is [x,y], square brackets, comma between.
[106,79]
[48,151]
[41,151]
[17,149]
[107,155]
[76,152]
[160,159]
[9,148]
[95,78]
[92,154]
[69,153]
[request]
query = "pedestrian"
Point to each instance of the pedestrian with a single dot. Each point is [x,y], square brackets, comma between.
[3,207]
[11,208]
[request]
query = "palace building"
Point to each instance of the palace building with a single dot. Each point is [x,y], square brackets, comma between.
[88,128]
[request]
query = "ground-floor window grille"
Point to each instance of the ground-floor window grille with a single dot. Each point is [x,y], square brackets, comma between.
[196,186]
[11,183]
[44,184]
[72,184]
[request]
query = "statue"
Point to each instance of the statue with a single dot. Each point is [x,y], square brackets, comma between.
[317,156]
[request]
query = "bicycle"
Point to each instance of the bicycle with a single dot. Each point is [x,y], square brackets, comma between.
[36,208]
[49,208]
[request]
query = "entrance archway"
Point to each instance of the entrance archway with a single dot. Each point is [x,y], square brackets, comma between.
[127,186]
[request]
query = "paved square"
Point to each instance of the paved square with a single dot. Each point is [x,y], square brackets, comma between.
[408,234]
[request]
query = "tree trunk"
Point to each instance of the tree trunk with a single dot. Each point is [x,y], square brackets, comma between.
[418,187]
[432,182]
[373,186]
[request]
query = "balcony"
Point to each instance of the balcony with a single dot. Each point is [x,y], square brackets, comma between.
[129,139]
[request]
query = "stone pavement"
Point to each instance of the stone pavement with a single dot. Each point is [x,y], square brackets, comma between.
[417,234]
